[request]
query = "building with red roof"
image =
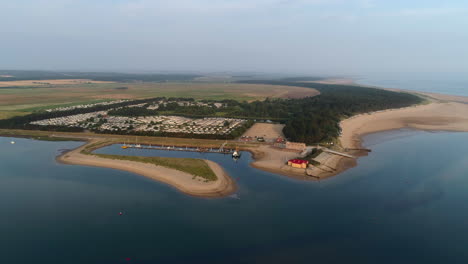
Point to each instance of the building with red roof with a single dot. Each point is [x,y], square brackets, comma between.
[298,163]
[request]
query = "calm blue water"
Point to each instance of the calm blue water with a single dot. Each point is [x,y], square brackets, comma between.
[453,84]
[405,203]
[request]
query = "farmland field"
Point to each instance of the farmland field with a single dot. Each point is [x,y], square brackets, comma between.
[40,83]
[20,100]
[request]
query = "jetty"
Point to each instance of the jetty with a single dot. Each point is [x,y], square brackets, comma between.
[220,150]
[338,153]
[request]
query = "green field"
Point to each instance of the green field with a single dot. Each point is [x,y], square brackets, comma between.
[23,100]
[196,167]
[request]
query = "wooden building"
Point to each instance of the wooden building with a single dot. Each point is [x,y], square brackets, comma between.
[295,146]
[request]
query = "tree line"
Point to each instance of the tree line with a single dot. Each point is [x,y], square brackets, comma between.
[316,119]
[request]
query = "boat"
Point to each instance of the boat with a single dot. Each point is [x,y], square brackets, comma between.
[137,145]
[124,146]
[236,154]
[12,142]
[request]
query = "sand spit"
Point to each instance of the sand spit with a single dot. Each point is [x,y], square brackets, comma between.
[450,116]
[439,115]
[183,181]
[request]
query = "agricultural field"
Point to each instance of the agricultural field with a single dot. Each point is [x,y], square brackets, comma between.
[44,83]
[28,96]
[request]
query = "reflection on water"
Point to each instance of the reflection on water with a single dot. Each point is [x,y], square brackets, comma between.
[404,203]
[416,198]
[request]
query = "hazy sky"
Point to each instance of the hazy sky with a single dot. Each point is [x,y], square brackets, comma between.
[294,36]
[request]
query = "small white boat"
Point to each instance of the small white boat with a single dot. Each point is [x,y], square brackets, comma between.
[12,142]
[236,154]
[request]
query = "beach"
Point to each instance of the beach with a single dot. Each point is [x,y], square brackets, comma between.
[271,159]
[446,116]
[182,181]
[441,113]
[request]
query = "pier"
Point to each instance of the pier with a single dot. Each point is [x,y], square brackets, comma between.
[338,153]
[358,149]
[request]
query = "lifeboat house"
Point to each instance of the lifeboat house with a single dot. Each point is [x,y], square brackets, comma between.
[298,163]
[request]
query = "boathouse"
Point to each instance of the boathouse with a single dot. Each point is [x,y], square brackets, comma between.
[295,145]
[298,163]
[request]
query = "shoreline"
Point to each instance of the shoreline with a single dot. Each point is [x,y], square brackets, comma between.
[182,181]
[435,116]
[442,113]
[439,113]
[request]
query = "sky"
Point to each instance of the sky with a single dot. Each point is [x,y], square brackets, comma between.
[336,37]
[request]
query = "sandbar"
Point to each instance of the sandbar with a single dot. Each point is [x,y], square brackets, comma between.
[182,181]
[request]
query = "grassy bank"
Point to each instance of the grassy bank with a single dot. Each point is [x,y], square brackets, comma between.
[196,167]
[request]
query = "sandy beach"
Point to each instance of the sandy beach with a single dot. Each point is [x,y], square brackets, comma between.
[271,159]
[182,181]
[446,116]
[442,113]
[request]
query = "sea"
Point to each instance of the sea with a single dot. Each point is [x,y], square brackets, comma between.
[444,83]
[406,202]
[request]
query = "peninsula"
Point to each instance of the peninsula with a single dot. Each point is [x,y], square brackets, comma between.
[316,122]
